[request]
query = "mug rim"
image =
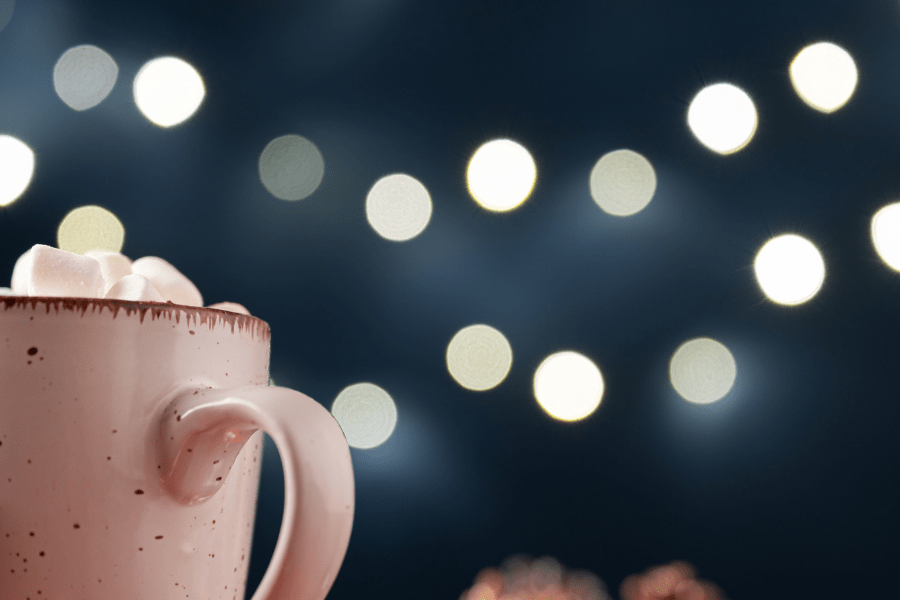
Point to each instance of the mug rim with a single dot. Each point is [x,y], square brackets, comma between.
[84,303]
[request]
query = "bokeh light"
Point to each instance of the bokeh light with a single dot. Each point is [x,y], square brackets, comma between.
[167,90]
[722,117]
[544,578]
[479,357]
[886,234]
[702,370]
[366,413]
[291,167]
[90,228]
[676,580]
[824,76]
[16,168]
[622,182]
[398,207]
[789,269]
[6,12]
[568,386]
[84,76]
[501,175]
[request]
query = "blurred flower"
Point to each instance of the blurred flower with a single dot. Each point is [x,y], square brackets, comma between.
[545,578]
[674,581]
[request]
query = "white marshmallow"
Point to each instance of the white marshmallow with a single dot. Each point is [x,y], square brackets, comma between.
[113,267]
[20,274]
[55,272]
[47,271]
[230,307]
[134,287]
[170,282]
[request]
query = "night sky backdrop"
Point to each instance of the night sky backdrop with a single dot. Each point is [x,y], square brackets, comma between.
[786,488]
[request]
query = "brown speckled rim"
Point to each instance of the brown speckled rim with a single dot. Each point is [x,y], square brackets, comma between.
[202,315]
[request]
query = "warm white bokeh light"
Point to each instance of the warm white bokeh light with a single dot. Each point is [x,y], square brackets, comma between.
[168,91]
[479,357]
[824,76]
[702,370]
[568,386]
[90,228]
[501,175]
[722,116]
[886,234]
[16,168]
[622,182]
[366,413]
[84,76]
[291,167]
[398,207]
[789,269]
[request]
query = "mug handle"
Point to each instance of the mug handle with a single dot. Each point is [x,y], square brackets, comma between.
[199,437]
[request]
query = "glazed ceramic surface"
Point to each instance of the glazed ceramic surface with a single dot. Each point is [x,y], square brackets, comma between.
[130,450]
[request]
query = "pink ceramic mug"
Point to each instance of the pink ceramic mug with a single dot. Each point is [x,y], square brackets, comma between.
[130,450]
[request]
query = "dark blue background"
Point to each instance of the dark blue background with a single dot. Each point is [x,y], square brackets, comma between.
[787,488]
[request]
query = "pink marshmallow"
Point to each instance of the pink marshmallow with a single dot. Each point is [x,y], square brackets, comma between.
[230,307]
[170,282]
[113,267]
[54,272]
[136,288]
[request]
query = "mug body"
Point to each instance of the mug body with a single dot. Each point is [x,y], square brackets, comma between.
[83,386]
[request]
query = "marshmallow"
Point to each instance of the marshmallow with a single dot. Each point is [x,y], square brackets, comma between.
[48,271]
[54,272]
[170,282]
[230,307]
[134,287]
[113,267]
[20,274]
